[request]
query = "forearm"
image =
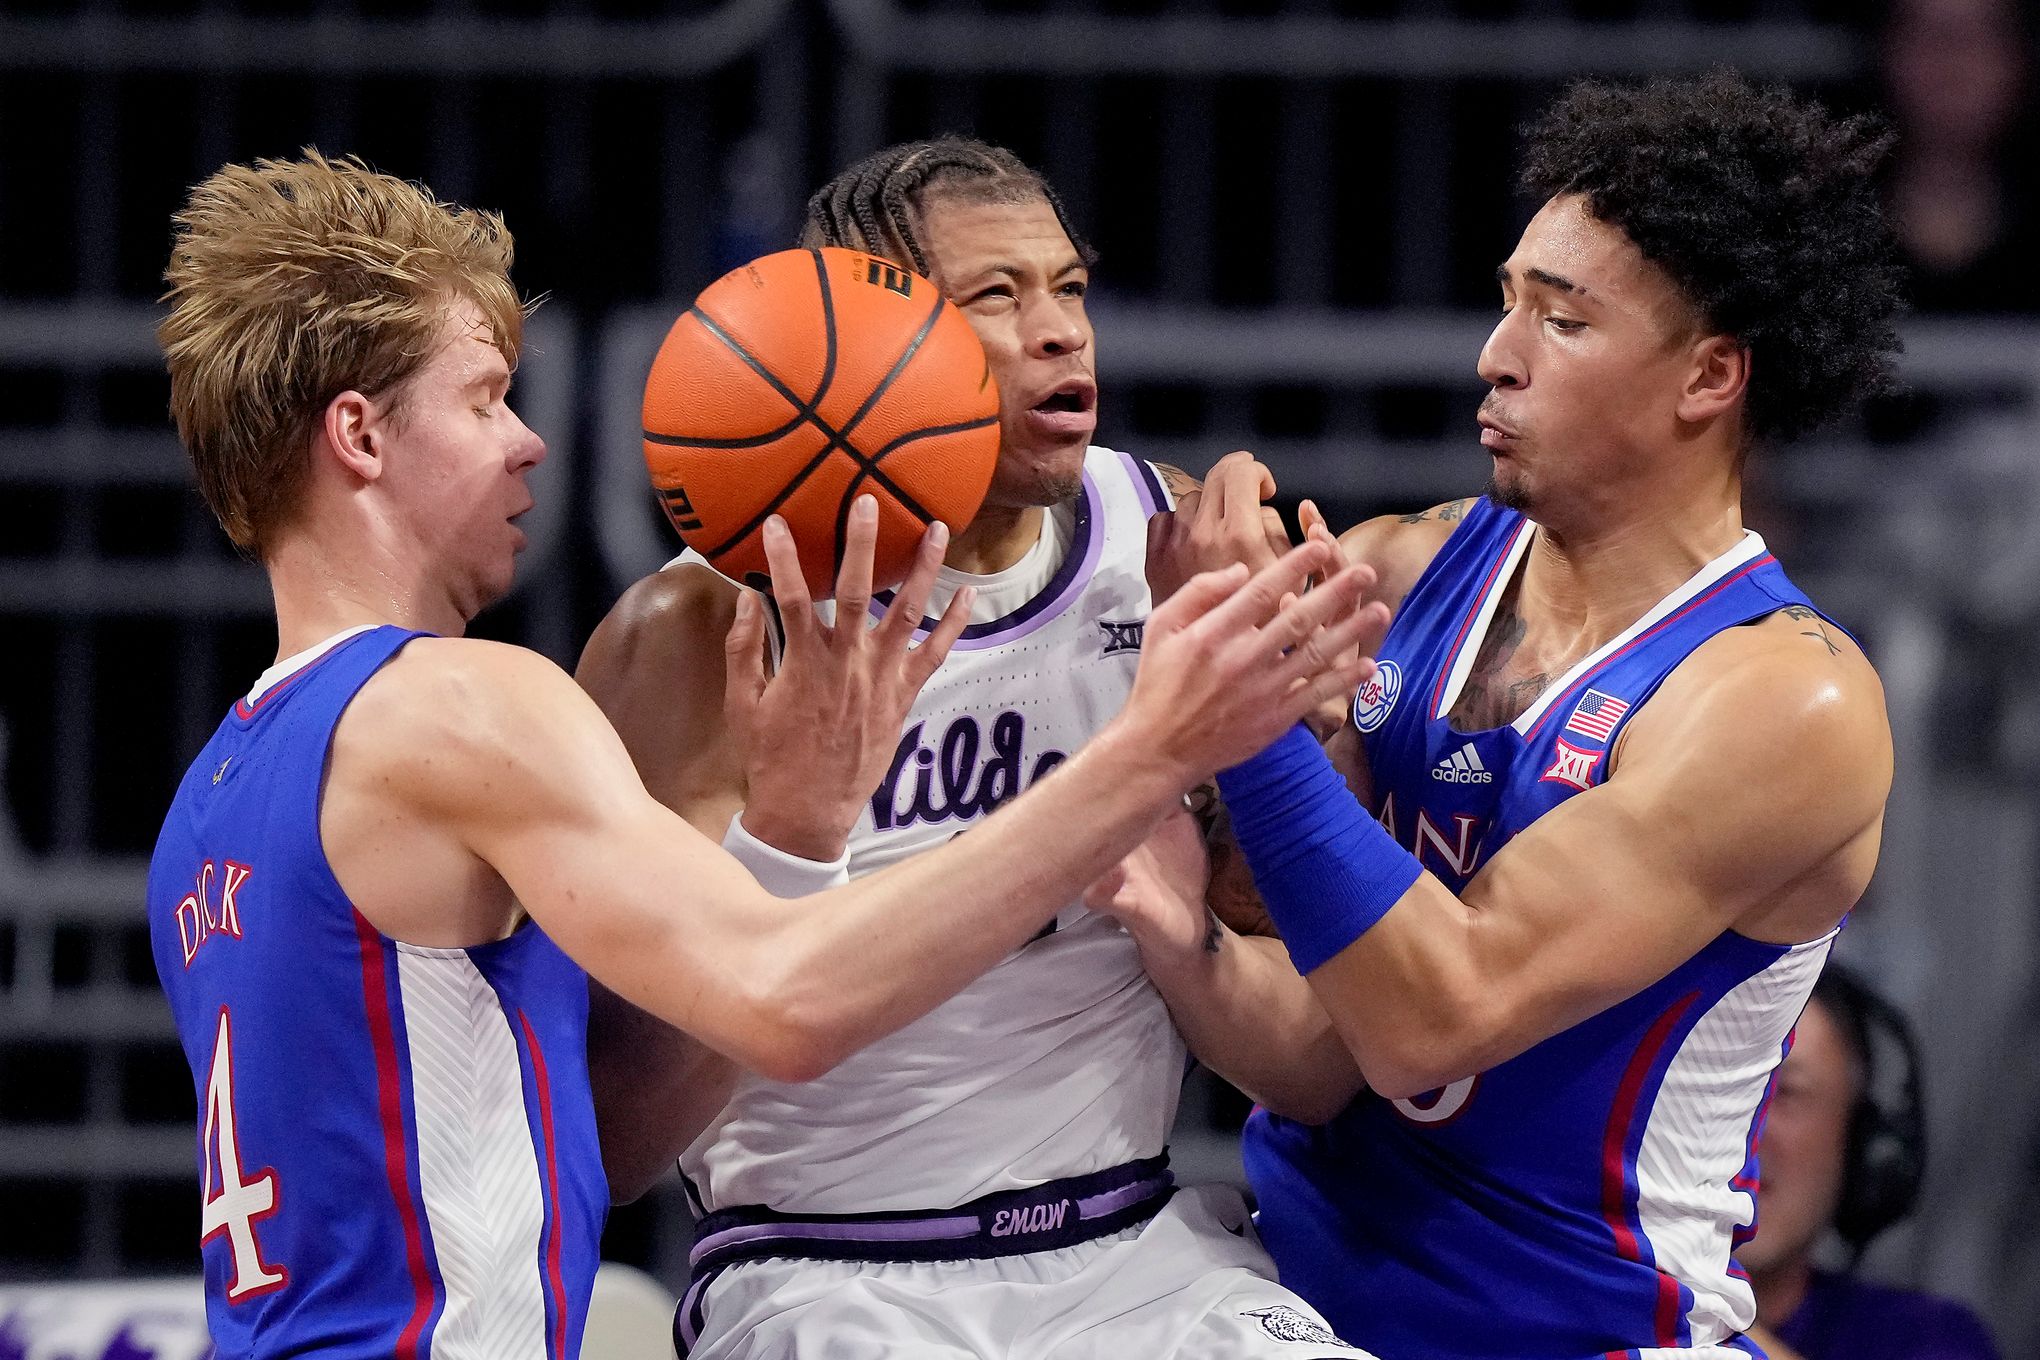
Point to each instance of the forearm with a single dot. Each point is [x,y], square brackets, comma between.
[1248,1016]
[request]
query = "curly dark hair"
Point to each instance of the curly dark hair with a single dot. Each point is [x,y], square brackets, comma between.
[867,207]
[1762,209]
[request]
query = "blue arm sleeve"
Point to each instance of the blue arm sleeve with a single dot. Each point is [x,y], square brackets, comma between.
[1325,869]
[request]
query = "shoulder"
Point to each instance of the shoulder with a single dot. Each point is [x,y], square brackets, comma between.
[1400,547]
[446,713]
[1790,667]
[1788,696]
[460,686]
[682,601]
[674,618]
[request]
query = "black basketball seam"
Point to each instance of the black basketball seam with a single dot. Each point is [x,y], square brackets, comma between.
[899,367]
[870,468]
[828,329]
[870,464]
[843,522]
[681,441]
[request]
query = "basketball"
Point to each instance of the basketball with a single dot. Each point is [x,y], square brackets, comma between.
[803,380]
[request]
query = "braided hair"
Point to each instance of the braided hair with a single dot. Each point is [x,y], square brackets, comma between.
[871,206]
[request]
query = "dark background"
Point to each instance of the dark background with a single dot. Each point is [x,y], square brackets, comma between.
[1299,208]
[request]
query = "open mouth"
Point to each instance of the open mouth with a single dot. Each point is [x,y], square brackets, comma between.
[1072,398]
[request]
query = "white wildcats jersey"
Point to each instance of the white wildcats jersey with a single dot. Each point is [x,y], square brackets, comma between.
[1062,1059]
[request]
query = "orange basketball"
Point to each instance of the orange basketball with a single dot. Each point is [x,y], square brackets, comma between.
[808,378]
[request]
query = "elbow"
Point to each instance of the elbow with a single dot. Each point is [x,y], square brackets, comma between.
[1409,1062]
[793,1035]
[796,1058]
[1312,1105]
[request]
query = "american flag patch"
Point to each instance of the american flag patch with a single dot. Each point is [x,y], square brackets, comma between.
[1596,715]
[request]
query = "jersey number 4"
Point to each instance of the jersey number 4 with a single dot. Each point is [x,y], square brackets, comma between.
[233,1205]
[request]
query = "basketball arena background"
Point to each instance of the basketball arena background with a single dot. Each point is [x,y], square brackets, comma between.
[1299,205]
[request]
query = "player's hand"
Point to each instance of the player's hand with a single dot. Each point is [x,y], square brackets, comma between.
[1231,661]
[1227,520]
[1335,712]
[1158,891]
[820,734]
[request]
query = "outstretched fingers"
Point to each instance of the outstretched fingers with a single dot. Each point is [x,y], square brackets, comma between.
[853,577]
[1260,597]
[910,604]
[789,588]
[934,649]
[744,677]
[1196,599]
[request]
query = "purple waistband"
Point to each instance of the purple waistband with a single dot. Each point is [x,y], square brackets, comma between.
[1009,1223]
[1045,1217]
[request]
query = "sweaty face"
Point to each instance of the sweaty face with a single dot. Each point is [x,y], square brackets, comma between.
[1805,1140]
[1587,364]
[455,459]
[1015,274]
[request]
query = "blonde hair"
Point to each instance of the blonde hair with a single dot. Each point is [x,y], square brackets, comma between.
[294,281]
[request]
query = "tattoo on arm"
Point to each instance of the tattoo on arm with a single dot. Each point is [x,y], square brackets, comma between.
[1179,482]
[1448,513]
[1801,614]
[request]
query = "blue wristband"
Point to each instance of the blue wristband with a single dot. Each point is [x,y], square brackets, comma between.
[1325,869]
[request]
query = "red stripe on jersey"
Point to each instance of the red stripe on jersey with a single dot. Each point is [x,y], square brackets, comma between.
[553,1279]
[1479,599]
[1723,584]
[243,709]
[1616,1203]
[396,1160]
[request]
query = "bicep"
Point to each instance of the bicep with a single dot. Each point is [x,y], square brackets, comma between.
[1716,817]
[546,795]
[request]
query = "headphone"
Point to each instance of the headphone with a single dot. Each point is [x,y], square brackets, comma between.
[1886,1156]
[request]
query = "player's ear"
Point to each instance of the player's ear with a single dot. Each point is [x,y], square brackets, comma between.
[1716,378]
[352,432]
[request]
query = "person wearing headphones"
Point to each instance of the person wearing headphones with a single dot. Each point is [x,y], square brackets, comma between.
[1844,1148]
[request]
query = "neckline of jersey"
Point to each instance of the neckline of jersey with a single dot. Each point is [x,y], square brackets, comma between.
[283,670]
[1747,549]
[1026,578]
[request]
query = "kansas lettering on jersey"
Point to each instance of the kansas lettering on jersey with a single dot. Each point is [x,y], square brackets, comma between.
[1062,1059]
[397,1152]
[1581,1199]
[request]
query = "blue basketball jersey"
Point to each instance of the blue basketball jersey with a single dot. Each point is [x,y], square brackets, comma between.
[397,1152]
[1581,1199]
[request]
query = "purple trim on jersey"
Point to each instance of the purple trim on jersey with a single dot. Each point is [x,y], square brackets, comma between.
[1069,580]
[1559,704]
[1146,485]
[1112,1201]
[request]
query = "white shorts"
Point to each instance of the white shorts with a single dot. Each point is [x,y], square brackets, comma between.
[1192,1282]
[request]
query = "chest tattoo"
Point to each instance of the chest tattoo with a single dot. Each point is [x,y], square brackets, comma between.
[1504,681]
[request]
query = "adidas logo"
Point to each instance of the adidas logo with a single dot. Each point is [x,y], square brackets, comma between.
[1463,767]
